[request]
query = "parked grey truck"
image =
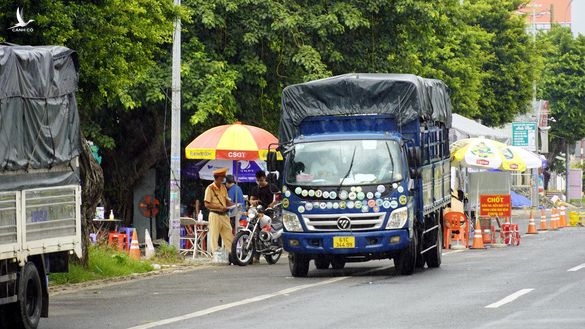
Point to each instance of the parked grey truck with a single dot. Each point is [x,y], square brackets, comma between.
[40,191]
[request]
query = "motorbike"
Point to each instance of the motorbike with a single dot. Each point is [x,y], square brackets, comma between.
[261,235]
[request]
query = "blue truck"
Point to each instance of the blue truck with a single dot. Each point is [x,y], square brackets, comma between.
[366,173]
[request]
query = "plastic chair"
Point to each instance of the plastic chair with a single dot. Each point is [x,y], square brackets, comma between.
[510,234]
[128,231]
[118,240]
[455,228]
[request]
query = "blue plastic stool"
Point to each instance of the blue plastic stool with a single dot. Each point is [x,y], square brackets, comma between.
[93,238]
[128,231]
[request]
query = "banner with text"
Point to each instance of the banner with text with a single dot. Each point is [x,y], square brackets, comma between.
[495,205]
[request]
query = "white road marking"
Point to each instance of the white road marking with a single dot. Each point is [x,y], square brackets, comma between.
[284,292]
[218,308]
[509,298]
[576,268]
[452,252]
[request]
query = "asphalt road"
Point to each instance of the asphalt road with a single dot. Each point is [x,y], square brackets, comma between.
[540,284]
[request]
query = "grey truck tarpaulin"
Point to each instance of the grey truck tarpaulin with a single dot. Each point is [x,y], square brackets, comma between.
[39,122]
[407,97]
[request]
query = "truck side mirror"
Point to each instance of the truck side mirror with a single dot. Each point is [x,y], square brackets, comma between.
[414,160]
[271,159]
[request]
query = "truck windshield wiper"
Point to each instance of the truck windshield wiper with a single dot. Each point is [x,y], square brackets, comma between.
[349,170]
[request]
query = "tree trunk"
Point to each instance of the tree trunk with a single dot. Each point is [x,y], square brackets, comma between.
[140,146]
[92,187]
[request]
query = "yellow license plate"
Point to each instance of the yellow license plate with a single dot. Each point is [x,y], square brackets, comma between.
[344,242]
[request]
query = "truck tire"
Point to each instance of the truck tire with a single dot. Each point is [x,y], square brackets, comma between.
[298,264]
[420,258]
[338,263]
[405,262]
[322,262]
[433,257]
[26,312]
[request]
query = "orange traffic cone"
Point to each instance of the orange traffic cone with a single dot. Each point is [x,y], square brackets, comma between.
[554,219]
[134,247]
[487,235]
[563,221]
[531,225]
[477,238]
[543,226]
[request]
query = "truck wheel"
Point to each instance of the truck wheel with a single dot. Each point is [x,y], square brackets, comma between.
[27,310]
[298,264]
[433,257]
[406,261]
[322,262]
[420,258]
[338,263]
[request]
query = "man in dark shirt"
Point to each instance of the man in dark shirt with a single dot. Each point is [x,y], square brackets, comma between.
[264,192]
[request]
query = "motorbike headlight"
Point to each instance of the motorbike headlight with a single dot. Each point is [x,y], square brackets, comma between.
[291,222]
[251,213]
[397,218]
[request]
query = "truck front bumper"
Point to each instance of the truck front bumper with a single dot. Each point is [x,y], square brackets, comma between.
[365,242]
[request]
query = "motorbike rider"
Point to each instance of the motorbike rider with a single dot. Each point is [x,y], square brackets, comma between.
[264,192]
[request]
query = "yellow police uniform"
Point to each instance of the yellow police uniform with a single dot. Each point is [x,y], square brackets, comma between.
[219,222]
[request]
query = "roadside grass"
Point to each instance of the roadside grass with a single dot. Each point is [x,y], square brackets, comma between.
[103,263]
[167,254]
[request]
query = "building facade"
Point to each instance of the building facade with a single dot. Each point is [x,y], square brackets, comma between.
[541,14]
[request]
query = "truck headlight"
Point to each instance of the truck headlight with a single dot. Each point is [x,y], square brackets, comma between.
[291,222]
[397,218]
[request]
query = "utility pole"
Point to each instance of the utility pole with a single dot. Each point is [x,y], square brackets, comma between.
[534,48]
[567,168]
[175,177]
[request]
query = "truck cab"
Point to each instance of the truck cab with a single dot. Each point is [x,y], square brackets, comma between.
[357,187]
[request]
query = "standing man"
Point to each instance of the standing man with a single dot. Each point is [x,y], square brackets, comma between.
[237,197]
[217,202]
[263,194]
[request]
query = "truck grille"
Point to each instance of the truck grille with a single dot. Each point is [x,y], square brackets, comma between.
[359,222]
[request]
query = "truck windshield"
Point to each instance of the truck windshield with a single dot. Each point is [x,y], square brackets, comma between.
[352,162]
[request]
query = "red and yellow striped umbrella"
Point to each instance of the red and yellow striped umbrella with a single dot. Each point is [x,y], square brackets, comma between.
[231,142]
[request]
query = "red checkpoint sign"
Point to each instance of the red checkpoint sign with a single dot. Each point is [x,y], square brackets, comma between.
[495,205]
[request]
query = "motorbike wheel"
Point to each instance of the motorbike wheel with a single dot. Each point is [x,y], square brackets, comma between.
[241,256]
[273,259]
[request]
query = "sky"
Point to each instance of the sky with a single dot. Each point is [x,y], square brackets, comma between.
[578,11]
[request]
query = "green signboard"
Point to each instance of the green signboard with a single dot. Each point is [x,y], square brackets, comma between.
[524,135]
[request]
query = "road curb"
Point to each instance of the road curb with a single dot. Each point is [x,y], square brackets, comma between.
[96,284]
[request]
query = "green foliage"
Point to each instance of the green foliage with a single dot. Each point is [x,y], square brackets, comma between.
[509,60]
[246,51]
[239,54]
[118,42]
[563,83]
[103,263]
